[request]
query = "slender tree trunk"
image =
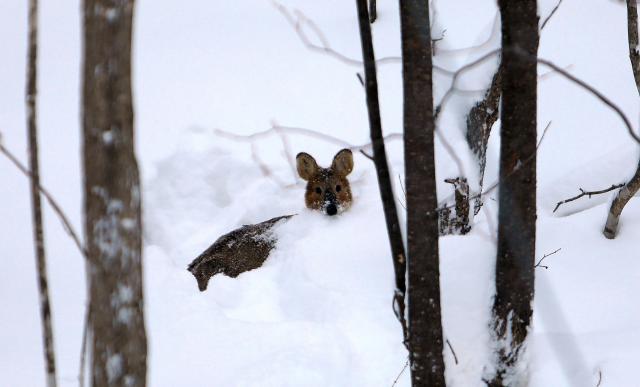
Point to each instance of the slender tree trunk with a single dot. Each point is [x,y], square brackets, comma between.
[517,215]
[425,324]
[112,198]
[631,188]
[380,161]
[38,233]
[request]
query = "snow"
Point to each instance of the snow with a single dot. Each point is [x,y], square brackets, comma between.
[318,313]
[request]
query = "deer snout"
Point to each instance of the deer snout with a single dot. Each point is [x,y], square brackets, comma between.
[330,205]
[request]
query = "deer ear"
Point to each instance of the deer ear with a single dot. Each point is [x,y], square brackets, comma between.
[306,165]
[343,162]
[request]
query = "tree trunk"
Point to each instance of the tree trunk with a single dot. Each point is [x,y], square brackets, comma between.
[631,188]
[38,233]
[425,324]
[112,198]
[517,214]
[380,161]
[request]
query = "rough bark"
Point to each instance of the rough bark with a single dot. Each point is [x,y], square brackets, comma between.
[517,202]
[236,252]
[425,323]
[631,188]
[480,120]
[38,233]
[380,162]
[112,203]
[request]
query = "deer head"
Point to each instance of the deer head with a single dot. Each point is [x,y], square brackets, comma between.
[328,189]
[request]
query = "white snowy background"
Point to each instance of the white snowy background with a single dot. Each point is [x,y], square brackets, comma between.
[318,313]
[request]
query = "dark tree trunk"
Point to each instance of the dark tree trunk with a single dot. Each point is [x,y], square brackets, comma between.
[517,214]
[380,161]
[112,198]
[631,188]
[425,324]
[38,233]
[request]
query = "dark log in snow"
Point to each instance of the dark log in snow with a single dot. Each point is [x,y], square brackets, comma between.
[243,249]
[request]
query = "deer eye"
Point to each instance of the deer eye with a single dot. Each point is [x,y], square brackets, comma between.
[338,188]
[318,190]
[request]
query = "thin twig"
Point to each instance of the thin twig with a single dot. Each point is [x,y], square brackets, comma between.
[68,228]
[596,93]
[599,378]
[588,194]
[452,153]
[300,20]
[497,182]
[365,154]
[400,374]
[373,12]
[553,11]
[558,69]
[455,358]
[539,263]
[286,147]
[52,202]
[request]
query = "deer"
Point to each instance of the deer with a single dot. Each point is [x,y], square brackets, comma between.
[328,189]
[246,248]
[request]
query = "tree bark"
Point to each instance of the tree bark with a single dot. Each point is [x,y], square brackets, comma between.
[380,162]
[112,203]
[38,232]
[425,324]
[480,120]
[517,203]
[631,188]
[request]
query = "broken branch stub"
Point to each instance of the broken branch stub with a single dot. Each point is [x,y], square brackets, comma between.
[243,249]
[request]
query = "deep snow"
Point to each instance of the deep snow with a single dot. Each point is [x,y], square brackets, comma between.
[318,313]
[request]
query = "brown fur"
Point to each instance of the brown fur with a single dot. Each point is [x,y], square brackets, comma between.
[327,188]
[234,253]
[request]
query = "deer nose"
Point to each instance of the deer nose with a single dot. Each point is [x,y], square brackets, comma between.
[332,209]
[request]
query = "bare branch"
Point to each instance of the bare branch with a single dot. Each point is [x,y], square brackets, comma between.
[558,69]
[553,11]
[66,224]
[373,12]
[300,20]
[539,263]
[495,27]
[596,93]
[497,183]
[365,154]
[400,374]
[455,358]
[587,193]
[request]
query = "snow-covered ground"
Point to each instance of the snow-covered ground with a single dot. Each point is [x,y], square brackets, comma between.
[318,313]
